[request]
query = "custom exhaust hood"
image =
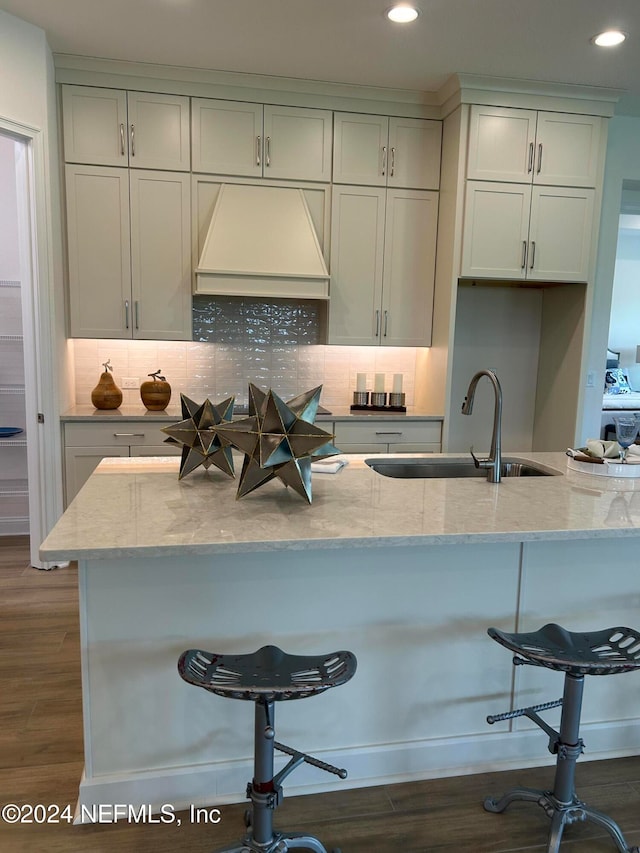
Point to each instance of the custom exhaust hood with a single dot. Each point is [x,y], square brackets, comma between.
[262,242]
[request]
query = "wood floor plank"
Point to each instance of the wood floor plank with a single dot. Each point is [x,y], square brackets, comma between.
[41,760]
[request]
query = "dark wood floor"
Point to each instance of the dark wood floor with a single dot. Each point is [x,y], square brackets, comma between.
[41,762]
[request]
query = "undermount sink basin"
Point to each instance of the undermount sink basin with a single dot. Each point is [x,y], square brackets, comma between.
[446,468]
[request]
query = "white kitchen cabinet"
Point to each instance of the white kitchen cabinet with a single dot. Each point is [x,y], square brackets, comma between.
[527,146]
[87,444]
[111,127]
[129,244]
[386,152]
[382,266]
[516,231]
[388,434]
[252,140]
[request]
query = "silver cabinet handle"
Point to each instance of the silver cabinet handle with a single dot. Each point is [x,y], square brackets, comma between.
[258,147]
[122,139]
[397,432]
[524,254]
[393,162]
[128,435]
[533,253]
[530,166]
[539,158]
[386,323]
[377,323]
[137,313]
[267,155]
[384,159]
[132,137]
[126,313]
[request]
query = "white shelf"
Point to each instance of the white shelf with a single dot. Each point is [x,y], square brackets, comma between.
[11,389]
[4,339]
[14,488]
[13,442]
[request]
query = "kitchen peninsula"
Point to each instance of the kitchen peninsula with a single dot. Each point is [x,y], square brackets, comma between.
[406,573]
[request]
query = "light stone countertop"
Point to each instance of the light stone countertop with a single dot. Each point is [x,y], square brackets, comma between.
[88,414]
[137,507]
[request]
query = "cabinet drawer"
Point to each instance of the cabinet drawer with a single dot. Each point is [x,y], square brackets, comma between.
[117,434]
[388,432]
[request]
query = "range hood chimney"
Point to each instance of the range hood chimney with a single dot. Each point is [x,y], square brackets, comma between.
[262,242]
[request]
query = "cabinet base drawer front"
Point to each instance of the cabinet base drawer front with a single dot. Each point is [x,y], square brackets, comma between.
[118,434]
[389,432]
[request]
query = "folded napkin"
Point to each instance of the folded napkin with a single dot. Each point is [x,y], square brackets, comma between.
[329,466]
[602,449]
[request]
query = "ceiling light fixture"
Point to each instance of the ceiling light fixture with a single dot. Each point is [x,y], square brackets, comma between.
[402,14]
[610,38]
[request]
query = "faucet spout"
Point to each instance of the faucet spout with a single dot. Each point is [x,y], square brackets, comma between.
[494,463]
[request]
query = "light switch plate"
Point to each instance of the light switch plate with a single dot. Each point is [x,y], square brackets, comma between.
[130,382]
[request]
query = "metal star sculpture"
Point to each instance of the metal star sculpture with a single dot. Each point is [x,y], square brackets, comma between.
[202,445]
[279,440]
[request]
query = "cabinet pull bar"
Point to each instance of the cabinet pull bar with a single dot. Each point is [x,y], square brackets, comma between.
[258,145]
[128,435]
[267,155]
[122,139]
[126,313]
[524,255]
[396,432]
[384,159]
[132,136]
[386,323]
[137,310]
[393,162]
[377,324]
[539,158]
[530,166]
[533,253]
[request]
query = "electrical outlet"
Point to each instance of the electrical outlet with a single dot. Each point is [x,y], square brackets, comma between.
[130,382]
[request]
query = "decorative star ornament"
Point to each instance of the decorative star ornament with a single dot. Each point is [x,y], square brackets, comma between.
[279,440]
[197,432]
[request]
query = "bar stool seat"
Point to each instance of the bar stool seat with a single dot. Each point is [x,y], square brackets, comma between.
[267,676]
[608,652]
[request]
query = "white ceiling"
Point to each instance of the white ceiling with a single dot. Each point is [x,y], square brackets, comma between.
[350,41]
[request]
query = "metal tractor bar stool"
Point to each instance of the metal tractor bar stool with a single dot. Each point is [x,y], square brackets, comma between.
[606,652]
[266,677]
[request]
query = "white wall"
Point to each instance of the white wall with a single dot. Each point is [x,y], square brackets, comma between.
[623,163]
[28,109]
[9,258]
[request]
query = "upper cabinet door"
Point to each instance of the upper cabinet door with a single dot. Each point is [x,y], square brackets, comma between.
[411,226]
[99,251]
[226,137]
[161,255]
[95,126]
[501,144]
[496,230]
[568,150]
[158,131]
[360,149]
[414,153]
[560,234]
[297,143]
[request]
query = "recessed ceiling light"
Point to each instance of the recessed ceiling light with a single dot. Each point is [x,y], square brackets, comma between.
[402,14]
[610,38]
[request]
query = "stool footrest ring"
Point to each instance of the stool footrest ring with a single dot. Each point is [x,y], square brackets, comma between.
[522,712]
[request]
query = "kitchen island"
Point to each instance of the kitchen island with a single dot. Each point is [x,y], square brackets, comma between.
[406,573]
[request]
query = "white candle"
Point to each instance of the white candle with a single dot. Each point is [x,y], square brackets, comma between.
[397,383]
[379,383]
[361,382]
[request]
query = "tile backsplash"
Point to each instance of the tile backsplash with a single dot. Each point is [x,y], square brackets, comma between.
[202,370]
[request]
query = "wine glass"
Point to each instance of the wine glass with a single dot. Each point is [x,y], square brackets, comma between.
[626,432]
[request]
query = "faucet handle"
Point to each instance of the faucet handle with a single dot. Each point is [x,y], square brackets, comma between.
[476,461]
[480,463]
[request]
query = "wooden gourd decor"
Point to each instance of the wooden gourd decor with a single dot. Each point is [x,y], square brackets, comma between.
[106,394]
[156,393]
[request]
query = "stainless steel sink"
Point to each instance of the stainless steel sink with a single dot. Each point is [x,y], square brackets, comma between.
[405,468]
